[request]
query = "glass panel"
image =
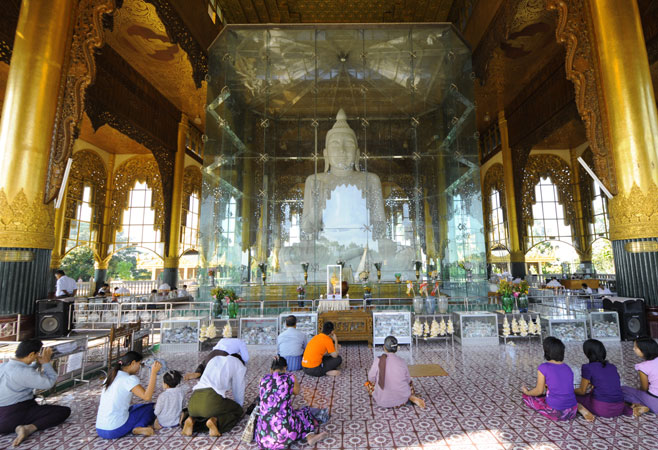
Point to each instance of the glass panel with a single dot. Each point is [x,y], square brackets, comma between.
[338,143]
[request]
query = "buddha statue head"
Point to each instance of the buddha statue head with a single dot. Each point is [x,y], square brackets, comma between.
[341,149]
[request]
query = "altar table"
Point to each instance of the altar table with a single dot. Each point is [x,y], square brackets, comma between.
[350,326]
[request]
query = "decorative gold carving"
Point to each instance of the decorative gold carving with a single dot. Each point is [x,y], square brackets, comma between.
[80,73]
[25,223]
[634,215]
[191,183]
[558,170]
[641,247]
[145,170]
[574,31]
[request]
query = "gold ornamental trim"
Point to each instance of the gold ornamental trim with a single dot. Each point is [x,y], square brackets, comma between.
[16,256]
[634,215]
[171,262]
[641,246]
[25,223]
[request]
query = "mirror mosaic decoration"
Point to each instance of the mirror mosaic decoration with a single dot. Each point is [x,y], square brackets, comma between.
[336,144]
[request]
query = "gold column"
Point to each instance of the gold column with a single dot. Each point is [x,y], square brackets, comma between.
[171,260]
[43,37]
[60,219]
[107,232]
[631,117]
[516,250]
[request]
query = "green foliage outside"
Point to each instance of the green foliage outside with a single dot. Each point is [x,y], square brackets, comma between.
[602,256]
[123,266]
[79,263]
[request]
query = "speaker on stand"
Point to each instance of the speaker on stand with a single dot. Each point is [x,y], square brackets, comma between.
[632,316]
[54,317]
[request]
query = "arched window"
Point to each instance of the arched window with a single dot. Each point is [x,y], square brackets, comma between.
[138,221]
[81,230]
[498,230]
[190,228]
[599,227]
[548,221]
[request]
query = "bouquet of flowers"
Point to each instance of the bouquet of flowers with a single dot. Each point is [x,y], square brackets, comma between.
[466,265]
[227,294]
[435,291]
[423,289]
[301,290]
[411,292]
[367,289]
[522,288]
[505,288]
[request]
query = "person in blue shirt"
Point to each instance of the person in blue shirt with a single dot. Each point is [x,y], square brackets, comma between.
[291,344]
[19,412]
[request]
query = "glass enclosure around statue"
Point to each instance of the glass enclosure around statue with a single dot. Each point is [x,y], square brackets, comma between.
[332,143]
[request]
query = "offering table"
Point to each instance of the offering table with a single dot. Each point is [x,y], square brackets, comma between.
[351,325]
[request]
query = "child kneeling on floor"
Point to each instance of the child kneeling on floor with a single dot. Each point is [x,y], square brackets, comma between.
[644,399]
[116,416]
[169,407]
[559,402]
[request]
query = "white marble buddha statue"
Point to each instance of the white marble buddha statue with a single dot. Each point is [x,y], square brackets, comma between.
[343,201]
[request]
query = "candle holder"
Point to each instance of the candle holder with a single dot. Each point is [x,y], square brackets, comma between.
[378,266]
[263,270]
[305,269]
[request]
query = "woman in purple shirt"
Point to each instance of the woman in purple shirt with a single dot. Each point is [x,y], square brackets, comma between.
[556,377]
[389,381]
[600,391]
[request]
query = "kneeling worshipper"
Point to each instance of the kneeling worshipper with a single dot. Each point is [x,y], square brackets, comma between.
[321,354]
[291,344]
[389,381]
[209,408]
[279,425]
[19,377]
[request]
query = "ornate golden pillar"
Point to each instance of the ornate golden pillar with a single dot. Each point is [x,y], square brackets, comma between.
[27,225]
[170,273]
[632,119]
[106,235]
[517,255]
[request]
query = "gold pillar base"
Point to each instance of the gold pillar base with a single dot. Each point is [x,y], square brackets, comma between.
[171,262]
[26,223]
[634,215]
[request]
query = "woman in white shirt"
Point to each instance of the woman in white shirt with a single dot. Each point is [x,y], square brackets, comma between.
[116,417]
[209,404]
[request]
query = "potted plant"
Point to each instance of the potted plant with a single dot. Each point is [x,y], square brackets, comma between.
[221,293]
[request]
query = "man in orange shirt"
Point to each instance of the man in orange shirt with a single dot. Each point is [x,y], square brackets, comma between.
[321,354]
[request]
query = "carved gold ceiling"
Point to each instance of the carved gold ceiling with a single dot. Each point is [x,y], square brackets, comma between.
[568,136]
[110,140]
[334,11]
[141,39]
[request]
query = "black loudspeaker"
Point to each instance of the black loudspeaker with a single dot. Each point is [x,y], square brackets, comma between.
[53,318]
[632,316]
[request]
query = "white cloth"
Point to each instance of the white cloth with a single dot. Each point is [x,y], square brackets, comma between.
[233,345]
[115,402]
[333,305]
[169,406]
[164,287]
[67,284]
[224,373]
[605,291]
[588,290]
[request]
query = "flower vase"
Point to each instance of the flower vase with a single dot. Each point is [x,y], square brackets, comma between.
[508,303]
[430,305]
[418,305]
[233,309]
[300,300]
[218,310]
[442,305]
[523,303]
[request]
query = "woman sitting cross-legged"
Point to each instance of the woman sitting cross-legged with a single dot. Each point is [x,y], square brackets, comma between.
[556,378]
[278,425]
[209,408]
[389,380]
[600,391]
[116,417]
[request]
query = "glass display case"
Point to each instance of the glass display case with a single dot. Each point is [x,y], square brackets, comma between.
[293,112]
[429,327]
[604,326]
[476,327]
[306,322]
[391,323]
[565,328]
[180,335]
[95,315]
[519,326]
[259,330]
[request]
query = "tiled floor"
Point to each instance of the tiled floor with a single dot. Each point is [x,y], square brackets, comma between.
[478,406]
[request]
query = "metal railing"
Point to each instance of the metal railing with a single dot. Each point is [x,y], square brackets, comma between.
[137,287]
